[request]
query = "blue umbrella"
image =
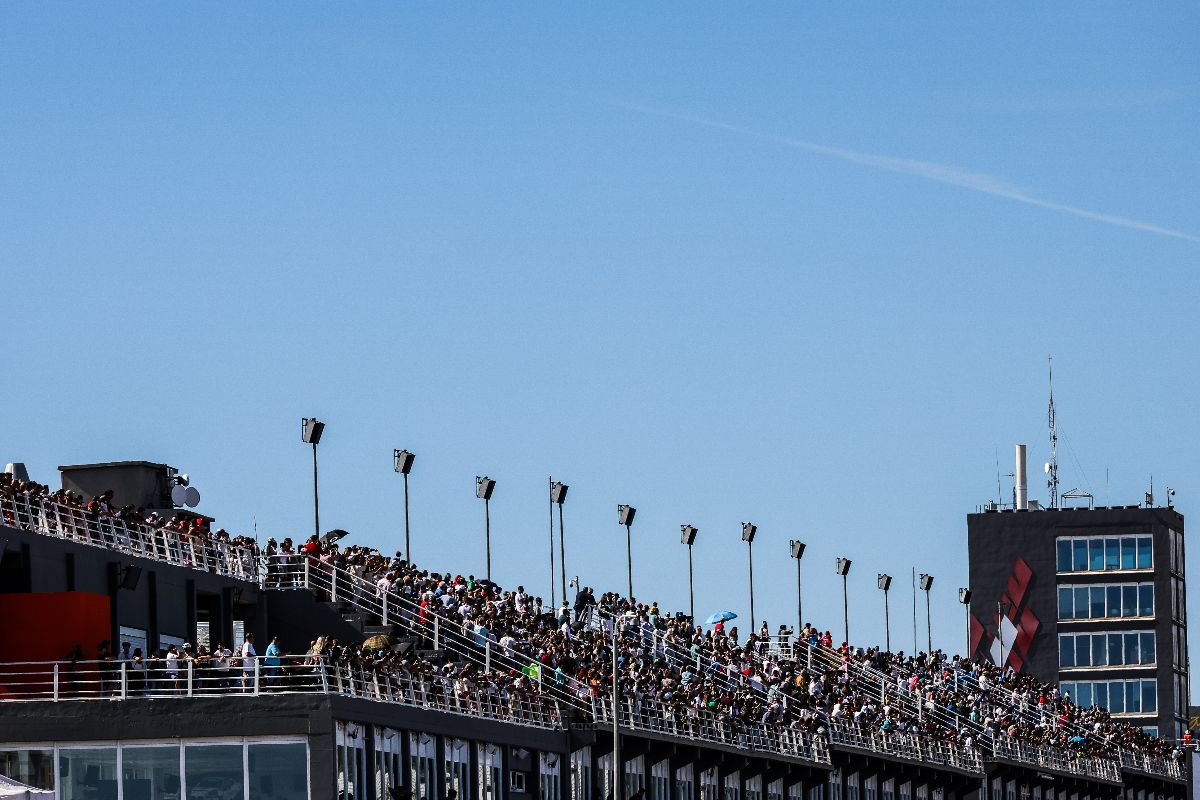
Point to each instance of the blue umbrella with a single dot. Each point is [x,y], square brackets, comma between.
[720,616]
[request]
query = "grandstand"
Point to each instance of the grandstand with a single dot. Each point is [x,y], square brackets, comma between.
[403,680]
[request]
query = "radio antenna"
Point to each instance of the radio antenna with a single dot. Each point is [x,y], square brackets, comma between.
[1052,466]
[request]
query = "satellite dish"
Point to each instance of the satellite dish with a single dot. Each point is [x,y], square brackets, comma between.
[179,495]
[191,496]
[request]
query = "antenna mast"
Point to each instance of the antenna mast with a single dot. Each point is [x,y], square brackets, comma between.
[1052,466]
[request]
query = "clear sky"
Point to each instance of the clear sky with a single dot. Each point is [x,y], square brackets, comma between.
[795,265]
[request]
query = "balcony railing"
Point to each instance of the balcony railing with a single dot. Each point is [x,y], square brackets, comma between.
[63,521]
[906,745]
[1053,758]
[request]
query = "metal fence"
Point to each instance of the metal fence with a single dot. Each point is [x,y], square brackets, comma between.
[63,521]
[1056,759]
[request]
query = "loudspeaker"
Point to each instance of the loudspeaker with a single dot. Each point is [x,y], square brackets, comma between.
[483,487]
[625,515]
[748,531]
[311,430]
[130,576]
[689,534]
[558,493]
[797,547]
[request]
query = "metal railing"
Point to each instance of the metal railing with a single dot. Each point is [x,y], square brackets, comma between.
[1056,759]
[46,516]
[906,745]
[688,723]
[67,681]
[1155,765]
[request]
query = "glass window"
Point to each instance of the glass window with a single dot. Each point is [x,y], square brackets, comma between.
[1131,648]
[1116,697]
[213,771]
[1149,695]
[1066,650]
[1115,656]
[150,773]
[1065,603]
[1083,651]
[1064,555]
[1150,730]
[1097,606]
[1128,601]
[1067,687]
[87,774]
[1096,562]
[1147,647]
[1100,694]
[279,771]
[1128,552]
[1085,695]
[1133,697]
[1145,552]
[1112,553]
[1113,599]
[1082,602]
[1079,560]
[1099,650]
[30,767]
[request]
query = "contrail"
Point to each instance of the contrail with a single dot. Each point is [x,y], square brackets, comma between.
[929,170]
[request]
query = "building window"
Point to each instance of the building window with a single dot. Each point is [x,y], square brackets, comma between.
[151,771]
[277,770]
[212,769]
[1128,696]
[1107,554]
[87,772]
[1106,649]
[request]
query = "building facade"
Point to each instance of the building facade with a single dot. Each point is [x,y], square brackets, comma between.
[1091,598]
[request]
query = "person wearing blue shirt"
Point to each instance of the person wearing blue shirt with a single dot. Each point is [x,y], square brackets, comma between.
[272,661]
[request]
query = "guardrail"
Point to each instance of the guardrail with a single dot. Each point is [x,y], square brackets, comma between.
[64,521]
[1155,765]
[65,681]
[906,745]
[1053,758]
[654,718]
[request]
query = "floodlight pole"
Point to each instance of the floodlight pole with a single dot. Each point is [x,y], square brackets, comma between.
[928,629]
[629,559]
[887,625]
[967,644]
[799,601]
[407,545]
[562,552]
[553,603]
[691,589]
[750,550]
[845,609]
[316,502]
[487,534]
[618,772]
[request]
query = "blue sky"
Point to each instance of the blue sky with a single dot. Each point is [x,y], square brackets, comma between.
[800,266]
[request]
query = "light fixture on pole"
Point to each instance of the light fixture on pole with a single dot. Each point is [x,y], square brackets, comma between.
[926,585]
[625,515]
[796,548]
[403,465]
[558,495]
[843,569]
[885,583]
[748,531]
[964,597]
[483,490]
[688,537]
[310,433]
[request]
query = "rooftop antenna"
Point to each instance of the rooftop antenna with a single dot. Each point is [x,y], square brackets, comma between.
[1150,494]
[1052,464]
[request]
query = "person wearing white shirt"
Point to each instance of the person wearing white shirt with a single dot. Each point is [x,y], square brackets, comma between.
[249,659]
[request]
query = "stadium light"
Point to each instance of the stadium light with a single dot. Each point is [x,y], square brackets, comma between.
[964,597]
[558,496]
[688,537]
[843,569]
[403,465]
[310,433]
[926,582]
[484,486]
[885,582]
[749,529]
[625,515]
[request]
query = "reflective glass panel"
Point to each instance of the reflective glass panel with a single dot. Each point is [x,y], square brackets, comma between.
[1064,555]
[1116,697]
[1112,553]
[1128,601]
[1147,647]
[1131,648]
[1097,606]
[1133,696]
[1079,561]
[1099,651]
[1115,655]
[30,767]
[278,771]
[1128,552]
[1146,600]
[213,771]
[1100,694]
[150,773]
[1066,651]
[1065,603]
[1149,696]
[1096,562]
[1083,651]
[1082,601]
[1113,599]
[1145,552]
[87,774]
[1085,694]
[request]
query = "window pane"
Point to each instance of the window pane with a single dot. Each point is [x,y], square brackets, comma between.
[148,773]
[1114,600]
[1146,600]
[1112,553]
[1064,555]
[1067,687]
[89,773]
[1115,652]
[1133,696]
[1100,694]
[1128,601]
[1065,604]
[1082,602]
[1149,696]
[1096,562]
[1079,562]
[1083,651]
[1085,694]
[1128,552]
[278,771]
[30,767]
[1131,648]
[1099,650]
[1097,608]
[1147,647]
[213,771]
[1145,552]
[1066,650]
[1116,697]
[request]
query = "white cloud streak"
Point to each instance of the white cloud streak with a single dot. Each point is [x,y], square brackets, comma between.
[929,170]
